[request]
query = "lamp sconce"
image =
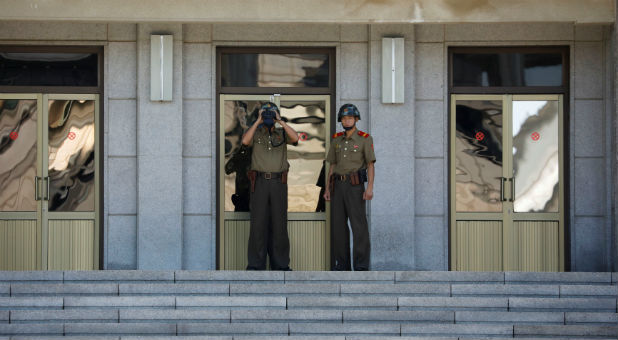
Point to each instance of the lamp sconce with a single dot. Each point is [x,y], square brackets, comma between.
[161,67]
[392,71]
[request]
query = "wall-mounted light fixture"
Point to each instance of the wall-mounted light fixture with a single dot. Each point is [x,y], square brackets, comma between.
[392,70]
[161,67]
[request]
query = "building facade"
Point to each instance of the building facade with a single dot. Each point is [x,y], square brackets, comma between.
[495,133]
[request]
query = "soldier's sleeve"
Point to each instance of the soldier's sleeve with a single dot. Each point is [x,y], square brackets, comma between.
[370,156]
[251,141]
[330,158]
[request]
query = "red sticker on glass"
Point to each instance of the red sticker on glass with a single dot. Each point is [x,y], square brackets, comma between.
[535,136]
[480,136]
[13,135]
[71,135]
[303,136]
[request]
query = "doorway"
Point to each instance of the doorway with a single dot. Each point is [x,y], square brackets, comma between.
[507,182]
[49,181]
[308,222]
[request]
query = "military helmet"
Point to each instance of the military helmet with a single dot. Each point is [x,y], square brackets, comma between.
[269,106]
[348,110]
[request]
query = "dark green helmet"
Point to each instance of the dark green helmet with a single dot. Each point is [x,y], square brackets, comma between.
[348,110]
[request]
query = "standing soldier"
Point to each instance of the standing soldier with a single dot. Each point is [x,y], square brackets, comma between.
[269,190]
[351,158]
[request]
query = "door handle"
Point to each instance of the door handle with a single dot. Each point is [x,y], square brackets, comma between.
[512,189]
[37,196]
[47,192]
[502,179]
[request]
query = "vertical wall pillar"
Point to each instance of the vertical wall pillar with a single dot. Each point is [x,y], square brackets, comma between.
[392,127]
[159,160]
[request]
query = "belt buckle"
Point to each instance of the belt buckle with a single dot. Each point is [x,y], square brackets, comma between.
[268,175]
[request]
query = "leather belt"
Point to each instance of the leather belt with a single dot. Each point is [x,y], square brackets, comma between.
[269,175]
[342,178]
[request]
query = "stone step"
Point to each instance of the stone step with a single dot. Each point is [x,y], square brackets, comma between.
[454,303]
[287,289]
[173,316]
[253,316]
[353,329]
[505,290]
[510,318]
[231,302]
[343,303]
[62,289]
[575,318]
[88,329]
[568,331]
[340,277]
[597,291]
[174,289]
[585,278]
[266,329]
[562,305]
[231,276]
[16,303]
[63,316]
[374,316]
[396,289]
[31,276]
[114,302]
[46,329]
[303,315]
[182,276]
[310,289]
[450,277]
[433,330]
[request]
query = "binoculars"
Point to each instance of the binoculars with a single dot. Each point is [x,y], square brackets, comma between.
[269,116]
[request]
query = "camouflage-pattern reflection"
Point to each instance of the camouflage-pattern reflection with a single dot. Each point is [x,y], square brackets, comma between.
[238,116]
[71,155]
[18,154]
[536,156]
[307,158]
[478,156]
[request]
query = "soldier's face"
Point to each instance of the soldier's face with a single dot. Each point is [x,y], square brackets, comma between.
[348,121]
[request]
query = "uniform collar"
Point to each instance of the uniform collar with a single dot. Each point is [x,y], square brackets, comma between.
[353,137]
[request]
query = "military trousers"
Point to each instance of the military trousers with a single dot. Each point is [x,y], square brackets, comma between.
[347,203]
[268,228]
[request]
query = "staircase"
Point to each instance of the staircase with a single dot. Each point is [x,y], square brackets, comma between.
[307,305]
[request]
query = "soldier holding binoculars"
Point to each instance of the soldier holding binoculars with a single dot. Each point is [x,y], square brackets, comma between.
[269,191]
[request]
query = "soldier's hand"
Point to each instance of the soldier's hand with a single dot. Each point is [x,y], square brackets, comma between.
[327,195]
[277,116]
[368,195]
[260,120]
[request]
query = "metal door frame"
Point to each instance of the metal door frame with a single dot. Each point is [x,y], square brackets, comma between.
[507,172]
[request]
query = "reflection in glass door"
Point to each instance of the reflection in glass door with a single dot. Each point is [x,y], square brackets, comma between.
[49,182]
[70,168]
[307,223]
[506,183]
[20,182]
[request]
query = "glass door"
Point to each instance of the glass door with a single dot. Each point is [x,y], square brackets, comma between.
[49,182]
[506,183]
[20,182]
[308,226]
[70,169]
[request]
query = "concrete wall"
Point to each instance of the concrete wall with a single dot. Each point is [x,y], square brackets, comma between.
[160,158]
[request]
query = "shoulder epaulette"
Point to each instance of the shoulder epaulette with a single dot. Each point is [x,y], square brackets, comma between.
[338,134]
[363,134]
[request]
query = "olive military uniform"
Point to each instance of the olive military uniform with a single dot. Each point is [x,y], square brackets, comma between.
[269,202]
[348,155]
